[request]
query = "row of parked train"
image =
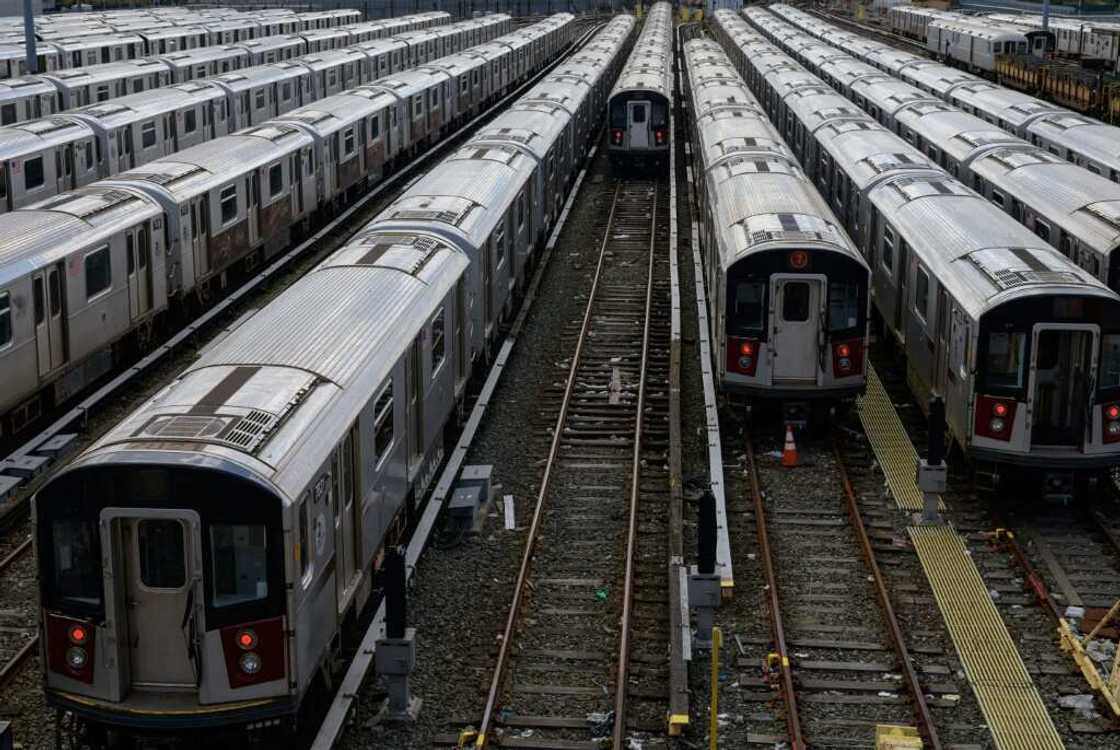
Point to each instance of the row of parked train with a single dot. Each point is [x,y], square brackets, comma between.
[323,414]
[33,96]
[76,40]
[642,100]
[86,275]
[1022,344]
[44,157]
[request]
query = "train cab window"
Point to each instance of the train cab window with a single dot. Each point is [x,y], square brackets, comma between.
[98,272]
[33,173]
[275,180]
[795,301]
[921,295]
[238,563]
[229,203]
[383,424]
[1110,361]
[75,562]
[843,305]
[6,316]
[1005,361]
[439,348]
[747,307]
[190,121]
[161,552]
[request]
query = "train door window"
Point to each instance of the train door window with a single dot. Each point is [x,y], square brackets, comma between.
[795,301]
[417,105]
[305,540]
[7,114]
[260,98]
[383,425]
[148,135]
[6,314]
[921,294]
[1110,361]
[102,93]
[161,553]
[275,180]
[238,563]
[521,211]
[439,348]
[888,249]
[190,121]
[98,272]
[286,92]
[33,173]
[1042,229]
[374,127]
[228,198]
[348,141]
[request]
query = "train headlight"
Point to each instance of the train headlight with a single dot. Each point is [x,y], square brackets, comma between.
[997,424]
[250,663]
[76,658]
[1114,428]
[746,362]
[845,364]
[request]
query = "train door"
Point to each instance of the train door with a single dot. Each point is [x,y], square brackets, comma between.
[50,339]
[139,272]
[941,365]
[460,332]
[903,279]
[795,326]
[160,556]
[199,221]
[124,148]
[637,124]
[347,519]
[252,190]
[1063,360]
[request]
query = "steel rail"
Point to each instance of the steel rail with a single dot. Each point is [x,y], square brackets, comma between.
[789,697]
[623,674]
[485,726]
[909,675]
[9,669]
[15,554]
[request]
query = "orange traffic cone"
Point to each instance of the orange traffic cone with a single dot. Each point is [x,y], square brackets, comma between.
[790,457]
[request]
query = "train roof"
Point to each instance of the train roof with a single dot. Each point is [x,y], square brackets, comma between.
[114,71]
[1089,137]
[22,138]
[52,231]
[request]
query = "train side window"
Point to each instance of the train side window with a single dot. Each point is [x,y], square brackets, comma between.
[275,180]
[997,198]
[238,563]
[148,135]
[374,127]
[305,540]
[260,98]
[521,211]
[161,551]
[348,142]
[228,198]
[6,315]
[383,425]
[417,105]
[98,272]
[439,348]
[33,173]
[7,114]
[1042,229]
[1110,361]
[888,249]
[190,121]
[921,294]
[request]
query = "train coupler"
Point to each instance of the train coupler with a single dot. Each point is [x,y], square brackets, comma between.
[1058,487]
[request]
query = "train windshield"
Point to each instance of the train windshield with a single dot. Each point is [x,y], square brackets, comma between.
[1110,361]
[843,305]
[1005,362]
[76,563]
[747,307]
[239,563]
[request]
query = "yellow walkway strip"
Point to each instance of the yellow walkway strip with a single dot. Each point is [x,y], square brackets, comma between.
[891,444]
[1007,696]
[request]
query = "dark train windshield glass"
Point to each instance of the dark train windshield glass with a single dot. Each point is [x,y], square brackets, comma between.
[1005,361]
[618,114]
[747,307]
[843,305]
[1110,361]
[77,562]
[660,114]
[238,564]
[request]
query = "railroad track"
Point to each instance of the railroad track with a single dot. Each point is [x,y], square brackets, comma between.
[586,634]
[887,37]
[19,634]
[836,651]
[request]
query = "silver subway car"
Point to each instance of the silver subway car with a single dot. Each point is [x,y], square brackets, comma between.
[642,100]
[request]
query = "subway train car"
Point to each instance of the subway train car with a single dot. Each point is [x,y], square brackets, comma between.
[223,202]
[643,97]
[1022,345]
[323,415]
[788,289]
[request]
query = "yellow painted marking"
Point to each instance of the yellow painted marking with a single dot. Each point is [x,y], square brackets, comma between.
[892,446]
[1007,696]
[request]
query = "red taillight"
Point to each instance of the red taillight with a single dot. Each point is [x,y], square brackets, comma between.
[742,356]
[995,418]
[847,358]
[660,136]
[616,136]
[254,652]
[71,647]
[1110,429]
